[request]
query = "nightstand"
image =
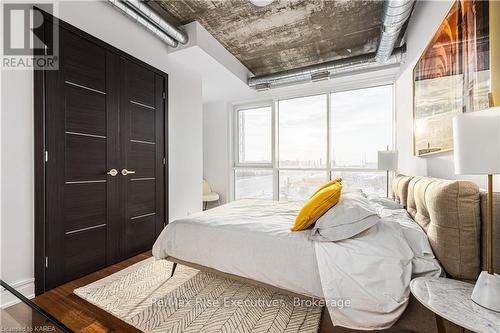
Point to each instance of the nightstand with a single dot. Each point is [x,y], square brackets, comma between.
[450,299]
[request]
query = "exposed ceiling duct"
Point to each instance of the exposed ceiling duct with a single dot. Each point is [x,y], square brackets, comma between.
[396,13]
[146,17]
[335,67]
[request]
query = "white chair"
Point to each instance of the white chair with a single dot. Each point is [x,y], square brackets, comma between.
[208,194]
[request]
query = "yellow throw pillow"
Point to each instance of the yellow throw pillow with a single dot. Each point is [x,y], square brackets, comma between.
[316,206]
[328,183]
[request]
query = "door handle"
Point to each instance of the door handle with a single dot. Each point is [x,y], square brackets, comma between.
[127,172]
[112,172]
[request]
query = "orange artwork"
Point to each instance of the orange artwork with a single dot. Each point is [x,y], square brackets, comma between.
[451,76]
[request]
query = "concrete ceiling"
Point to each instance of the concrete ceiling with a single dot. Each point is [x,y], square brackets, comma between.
[285,34]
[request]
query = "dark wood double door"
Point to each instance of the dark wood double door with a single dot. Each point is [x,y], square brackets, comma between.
[105,158]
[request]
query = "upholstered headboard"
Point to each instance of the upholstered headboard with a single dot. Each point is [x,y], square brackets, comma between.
[450,213]
[400,188]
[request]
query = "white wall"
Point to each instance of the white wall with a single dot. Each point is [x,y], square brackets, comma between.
[424,23]
[216,147]
[17,182]
[186,146]
[185,133]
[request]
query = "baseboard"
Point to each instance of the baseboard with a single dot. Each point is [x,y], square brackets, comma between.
[26,287]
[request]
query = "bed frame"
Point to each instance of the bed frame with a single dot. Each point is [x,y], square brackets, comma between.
[256,283]
[416,317]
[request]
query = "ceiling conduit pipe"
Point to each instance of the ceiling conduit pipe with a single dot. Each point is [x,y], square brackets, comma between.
[396,13]
[335,67]
[146,17]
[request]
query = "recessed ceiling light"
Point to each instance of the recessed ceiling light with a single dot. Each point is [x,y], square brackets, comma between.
[261,3]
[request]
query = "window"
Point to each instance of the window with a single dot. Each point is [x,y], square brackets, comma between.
[369,181]
[360,126]
[253,183]
[255,133]
[286,149]
[253,174]
[299,185]
[302,132]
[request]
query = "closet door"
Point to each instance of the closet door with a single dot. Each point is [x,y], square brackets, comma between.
[142,155]
[81,147]
[105,161]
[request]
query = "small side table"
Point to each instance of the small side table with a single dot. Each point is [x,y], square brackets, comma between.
[451,300]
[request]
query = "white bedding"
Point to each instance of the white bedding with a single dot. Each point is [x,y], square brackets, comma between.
[368,275]
[249,238]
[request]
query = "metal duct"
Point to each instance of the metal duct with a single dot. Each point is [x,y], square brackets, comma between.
[396,13]
[361,62]
[166,27]
[146,17]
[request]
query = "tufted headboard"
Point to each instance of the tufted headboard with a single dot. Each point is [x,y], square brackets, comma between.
[452,213]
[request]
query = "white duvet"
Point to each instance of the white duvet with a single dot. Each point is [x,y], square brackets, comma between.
[364,280]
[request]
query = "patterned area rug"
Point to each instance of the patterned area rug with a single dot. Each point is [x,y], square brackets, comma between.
[144,296]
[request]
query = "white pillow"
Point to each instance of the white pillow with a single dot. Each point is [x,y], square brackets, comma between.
[384,202]
[352,215]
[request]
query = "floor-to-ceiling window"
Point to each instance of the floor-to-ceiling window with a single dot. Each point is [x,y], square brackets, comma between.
[285,149]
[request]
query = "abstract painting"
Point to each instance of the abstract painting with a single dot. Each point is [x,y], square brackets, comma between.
[452,76]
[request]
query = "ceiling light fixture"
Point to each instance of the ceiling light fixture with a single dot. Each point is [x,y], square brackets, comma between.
[261,3]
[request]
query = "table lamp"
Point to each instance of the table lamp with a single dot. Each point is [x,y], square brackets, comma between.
[388,161]
[476,138]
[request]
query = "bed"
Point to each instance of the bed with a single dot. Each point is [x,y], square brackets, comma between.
[254,231]
[250,240]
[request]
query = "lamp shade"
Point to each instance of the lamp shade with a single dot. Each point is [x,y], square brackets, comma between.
[388,160]
[476,137]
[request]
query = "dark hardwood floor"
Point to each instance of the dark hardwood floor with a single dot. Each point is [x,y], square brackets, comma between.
[80,315]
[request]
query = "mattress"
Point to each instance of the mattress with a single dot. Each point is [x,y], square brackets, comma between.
[257,235]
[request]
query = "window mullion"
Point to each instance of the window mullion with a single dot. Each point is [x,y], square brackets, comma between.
[276,177]
[328,136]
